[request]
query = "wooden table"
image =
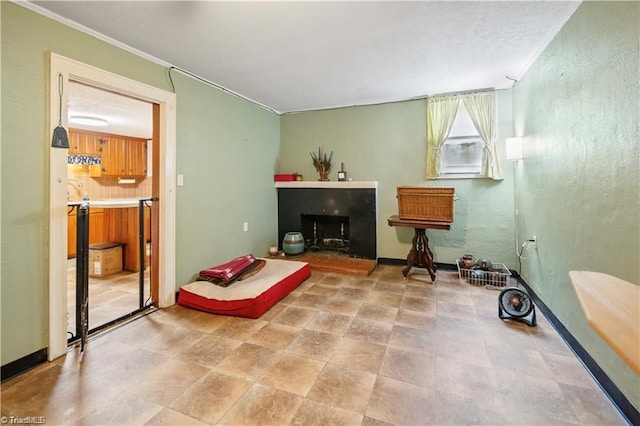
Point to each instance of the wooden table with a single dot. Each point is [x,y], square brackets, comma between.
[420,255]
[612,309]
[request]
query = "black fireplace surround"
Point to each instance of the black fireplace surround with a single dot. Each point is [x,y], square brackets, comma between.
[358,204]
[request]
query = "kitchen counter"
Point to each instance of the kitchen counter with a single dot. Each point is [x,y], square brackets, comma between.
[110,203]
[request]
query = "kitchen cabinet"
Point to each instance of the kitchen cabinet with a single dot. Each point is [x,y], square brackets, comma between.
[96,229]
[124,157]
[122,225]
[84,143]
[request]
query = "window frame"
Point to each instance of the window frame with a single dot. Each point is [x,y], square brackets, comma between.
[448,174]
[462,136]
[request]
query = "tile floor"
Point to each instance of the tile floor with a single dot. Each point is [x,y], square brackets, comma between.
[338,350]
[110,297]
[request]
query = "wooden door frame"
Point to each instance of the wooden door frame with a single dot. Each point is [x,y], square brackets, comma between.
[163,187]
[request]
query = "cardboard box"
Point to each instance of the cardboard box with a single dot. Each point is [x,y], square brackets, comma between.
[105,259]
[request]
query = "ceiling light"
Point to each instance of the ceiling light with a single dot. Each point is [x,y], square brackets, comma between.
[88,120]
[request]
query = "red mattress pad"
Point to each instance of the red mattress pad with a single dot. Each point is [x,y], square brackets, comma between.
[249,298]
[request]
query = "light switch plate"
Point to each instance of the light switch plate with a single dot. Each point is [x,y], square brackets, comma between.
[180,180]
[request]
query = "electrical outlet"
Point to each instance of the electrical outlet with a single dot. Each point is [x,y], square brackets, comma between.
[531,243]
[246,226]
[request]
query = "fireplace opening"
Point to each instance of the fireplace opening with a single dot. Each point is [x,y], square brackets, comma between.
[326,233]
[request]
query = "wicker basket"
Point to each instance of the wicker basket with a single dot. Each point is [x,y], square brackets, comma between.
[426,203]
[498,276]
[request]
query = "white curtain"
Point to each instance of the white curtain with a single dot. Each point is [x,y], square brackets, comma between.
[482,110]
[441,111]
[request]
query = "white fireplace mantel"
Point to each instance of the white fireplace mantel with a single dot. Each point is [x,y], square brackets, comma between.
[329,184]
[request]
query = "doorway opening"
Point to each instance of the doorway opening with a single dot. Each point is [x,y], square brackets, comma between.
[162,230]
[109,170]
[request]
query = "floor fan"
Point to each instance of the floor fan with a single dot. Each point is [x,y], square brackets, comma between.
[515,304]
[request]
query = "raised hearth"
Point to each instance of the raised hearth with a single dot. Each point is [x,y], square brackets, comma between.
[334,263]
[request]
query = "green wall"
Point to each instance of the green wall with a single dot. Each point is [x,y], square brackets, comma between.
[226,149]
[387,143]
[578,187]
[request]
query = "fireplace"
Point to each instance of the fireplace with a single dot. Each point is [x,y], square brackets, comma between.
[326,233]
[332,216]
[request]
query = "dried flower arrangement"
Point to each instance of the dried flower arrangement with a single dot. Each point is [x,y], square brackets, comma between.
[322,163]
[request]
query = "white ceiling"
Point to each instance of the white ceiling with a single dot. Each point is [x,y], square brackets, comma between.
[124,115]
[292,55]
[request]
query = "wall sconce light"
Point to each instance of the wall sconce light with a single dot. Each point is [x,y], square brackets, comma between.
[513,148]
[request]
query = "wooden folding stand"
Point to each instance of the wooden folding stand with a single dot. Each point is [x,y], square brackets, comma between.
[420,255]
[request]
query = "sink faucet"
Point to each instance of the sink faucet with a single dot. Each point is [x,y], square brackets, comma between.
[77,182]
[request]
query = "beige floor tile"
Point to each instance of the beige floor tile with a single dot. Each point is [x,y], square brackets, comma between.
[407,318]
[591,406]
[175,341]
[457,410]
[369,331]
[522,361]
[367,283]
[292,373]
[330,323]
[420,304]
[239,328]
[322,290]
[139,333]
[211,397]
[122,409]
[339,349]
[209,351]
[295,316]
[314,344]
[467,381]
[310,301]
[358,355]
[247,361]
[377,313]
[343,388]
[421,290]
[400,403]
[312,413]
[61,395]
[262,405]
[383,298]
[460,328]
[341,306]
[410,367]
[168,417]
[569,371]
[459,349]
[275,336]
[390,286]
[273,311]
[354,294]
[548,341]
[334,280]
[535,397]
[165,380]
[188,318]
[413,339]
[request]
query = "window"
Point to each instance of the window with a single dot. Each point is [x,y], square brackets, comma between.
[463,150]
